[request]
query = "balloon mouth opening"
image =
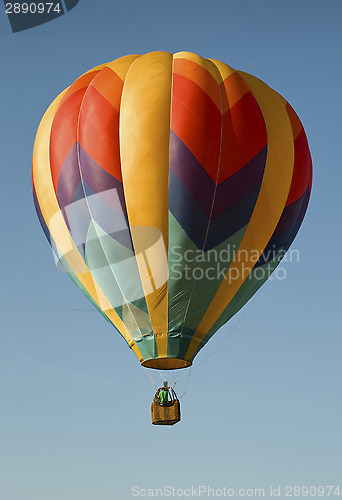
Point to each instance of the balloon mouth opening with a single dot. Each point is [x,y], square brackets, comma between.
[166,363]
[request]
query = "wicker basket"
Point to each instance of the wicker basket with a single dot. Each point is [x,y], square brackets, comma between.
[165,415]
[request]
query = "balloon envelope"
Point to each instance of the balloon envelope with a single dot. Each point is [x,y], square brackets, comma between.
[170,187]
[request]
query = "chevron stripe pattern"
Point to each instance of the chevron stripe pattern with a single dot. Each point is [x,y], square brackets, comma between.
[159,178]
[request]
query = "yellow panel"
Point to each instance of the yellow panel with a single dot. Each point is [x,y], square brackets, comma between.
[269,206]
[223,68]
[121,65]
[50,210]
[144,148]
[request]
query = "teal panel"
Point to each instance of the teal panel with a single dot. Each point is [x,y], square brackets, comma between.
[251,285]
[147,346]
[146,342]
[194,278]
[114,268]
[77,282]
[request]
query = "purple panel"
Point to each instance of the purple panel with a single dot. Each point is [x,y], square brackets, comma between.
[240,184]
[199,184]
[69,178]
[287,228]
[86,190]
[101,182]
[198,226]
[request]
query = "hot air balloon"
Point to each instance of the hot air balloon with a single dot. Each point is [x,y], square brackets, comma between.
[170,187]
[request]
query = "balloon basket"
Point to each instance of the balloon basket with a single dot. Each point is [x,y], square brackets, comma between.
[165,415]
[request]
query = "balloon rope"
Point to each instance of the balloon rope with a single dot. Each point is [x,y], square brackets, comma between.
[187,383]
[205,359]
[147,371]
[150,377]
[214,350]
[227,336]
[180,375]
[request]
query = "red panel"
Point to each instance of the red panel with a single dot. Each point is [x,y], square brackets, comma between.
[197,122]
[199,75]
[99,131]
[302,171]
[244,135]
[296,124]
[63,132]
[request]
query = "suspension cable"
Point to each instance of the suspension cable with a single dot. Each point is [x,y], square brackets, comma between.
[150,376]
[226,336]
[177,379]
[187,383]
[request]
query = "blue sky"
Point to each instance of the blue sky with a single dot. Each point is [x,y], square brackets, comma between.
[75,421]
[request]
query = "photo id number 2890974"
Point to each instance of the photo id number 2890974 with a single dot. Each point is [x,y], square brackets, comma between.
[308,491]
[33,7]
